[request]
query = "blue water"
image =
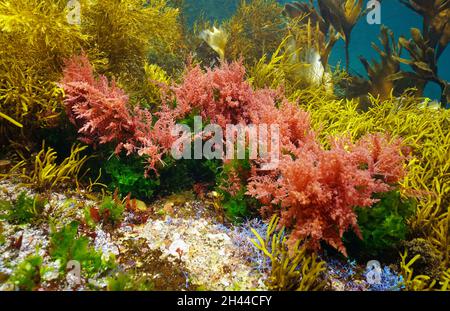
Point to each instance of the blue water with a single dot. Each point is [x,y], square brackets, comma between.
[393,14]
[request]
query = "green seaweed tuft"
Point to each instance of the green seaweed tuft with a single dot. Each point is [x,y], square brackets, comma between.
[65,246]
[27,274]
[129,282]
[383,226]
[127,175]
[24,210]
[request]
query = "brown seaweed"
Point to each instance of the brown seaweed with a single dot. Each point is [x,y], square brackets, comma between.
[427,46]
[338,16]
[325,34]
[343,15]
[424,48]
[381,80]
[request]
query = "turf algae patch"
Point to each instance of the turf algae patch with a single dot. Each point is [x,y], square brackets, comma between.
[144,262]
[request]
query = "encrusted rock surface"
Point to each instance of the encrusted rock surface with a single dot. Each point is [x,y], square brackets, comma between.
[210,256]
